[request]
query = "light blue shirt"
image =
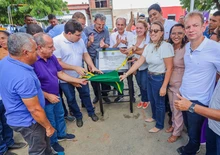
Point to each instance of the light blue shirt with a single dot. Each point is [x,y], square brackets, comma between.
[201,67]
[215,104]
[56,30]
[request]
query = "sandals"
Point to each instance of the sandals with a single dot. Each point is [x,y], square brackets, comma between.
[154,130]
[149,120]
[173,139]
[169,130]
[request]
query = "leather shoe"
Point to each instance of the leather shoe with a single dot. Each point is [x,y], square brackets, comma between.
[95,100]
[107,100]
[180,150]
[94,117]
[18,146]
[79,122]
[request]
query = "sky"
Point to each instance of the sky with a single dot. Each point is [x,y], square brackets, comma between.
[129,4]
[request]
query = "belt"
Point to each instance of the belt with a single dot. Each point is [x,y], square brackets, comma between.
[154,73]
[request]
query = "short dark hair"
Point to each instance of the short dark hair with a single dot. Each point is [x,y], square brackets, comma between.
[100,16]
[33,29]
[184,41]
[26,16]
[72,26]
[217,13]
[51,16]
[78,15]
[154,7]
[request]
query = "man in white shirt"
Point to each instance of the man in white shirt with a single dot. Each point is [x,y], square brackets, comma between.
[121,39]
[70,50]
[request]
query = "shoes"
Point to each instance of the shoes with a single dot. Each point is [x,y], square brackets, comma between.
[145,105]
[18,146]
[119,99]
[180,150]
[154,130]
[149,120]
[173,139]
[95,100]
[9,153]
[79,122]
[70,118]
[140,105]
[57,148]
[94,117]
[107,100]
[83,106]
[169,130]
[67,137]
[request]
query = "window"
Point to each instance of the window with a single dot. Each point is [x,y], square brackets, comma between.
[100,3]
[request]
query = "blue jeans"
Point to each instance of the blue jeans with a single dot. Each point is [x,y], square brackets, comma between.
[157,102]
[69,91]
[193,123]
[212,142]
[55,115]
[6,133]
[142,81]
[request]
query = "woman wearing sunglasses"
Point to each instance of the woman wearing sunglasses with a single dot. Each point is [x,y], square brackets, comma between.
[178,40]
[159,56]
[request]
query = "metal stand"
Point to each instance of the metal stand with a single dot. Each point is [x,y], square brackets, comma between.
[129,89]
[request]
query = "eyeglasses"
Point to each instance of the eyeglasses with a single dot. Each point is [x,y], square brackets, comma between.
[155,31]
[177,33]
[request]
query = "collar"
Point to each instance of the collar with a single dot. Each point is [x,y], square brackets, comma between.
[201,46]
[64,39]
[125,33]
[19,63]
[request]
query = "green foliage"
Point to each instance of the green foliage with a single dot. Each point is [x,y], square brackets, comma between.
[35,8]
[202,5]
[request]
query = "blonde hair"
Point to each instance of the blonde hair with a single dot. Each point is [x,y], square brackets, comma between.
[161,29]
[145,25]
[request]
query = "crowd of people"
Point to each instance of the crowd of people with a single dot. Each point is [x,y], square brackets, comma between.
[175,64]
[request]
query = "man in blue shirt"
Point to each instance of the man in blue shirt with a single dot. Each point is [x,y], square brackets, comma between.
[202,61]
[22,95]
[98,37]
[53,22]
[28,20]
[214,22]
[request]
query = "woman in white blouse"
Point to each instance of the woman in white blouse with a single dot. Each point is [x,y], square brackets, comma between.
[159,56]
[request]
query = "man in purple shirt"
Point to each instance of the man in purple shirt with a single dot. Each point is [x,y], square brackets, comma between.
[49,71]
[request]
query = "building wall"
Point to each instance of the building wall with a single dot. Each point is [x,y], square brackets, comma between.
[176,10]
[126,13]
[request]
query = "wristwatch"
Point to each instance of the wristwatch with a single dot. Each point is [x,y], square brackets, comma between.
[192,108]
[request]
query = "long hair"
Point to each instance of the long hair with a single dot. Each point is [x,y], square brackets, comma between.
[184,40]
[161,29]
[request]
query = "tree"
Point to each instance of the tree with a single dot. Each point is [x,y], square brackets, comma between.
[35,8]
[202,5]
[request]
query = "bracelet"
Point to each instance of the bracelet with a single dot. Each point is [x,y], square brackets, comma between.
[126,74]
